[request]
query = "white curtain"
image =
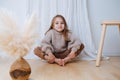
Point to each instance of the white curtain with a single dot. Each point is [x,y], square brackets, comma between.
[76,15]
[74,11]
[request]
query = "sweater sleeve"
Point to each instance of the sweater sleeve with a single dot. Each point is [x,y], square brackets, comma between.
[74,43]
[46,43]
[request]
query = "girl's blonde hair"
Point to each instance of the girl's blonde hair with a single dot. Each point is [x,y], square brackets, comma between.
[65,31]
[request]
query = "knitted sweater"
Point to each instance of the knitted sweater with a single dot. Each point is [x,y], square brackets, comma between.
[54,42]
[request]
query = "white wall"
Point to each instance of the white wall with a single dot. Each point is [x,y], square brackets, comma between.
[19,7]
[100,10]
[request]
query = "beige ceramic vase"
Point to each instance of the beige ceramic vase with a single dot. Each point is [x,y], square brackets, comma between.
[20,69]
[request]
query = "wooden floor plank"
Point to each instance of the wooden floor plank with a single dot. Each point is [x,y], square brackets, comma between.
[76,70]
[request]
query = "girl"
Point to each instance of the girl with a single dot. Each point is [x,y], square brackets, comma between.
[59,45]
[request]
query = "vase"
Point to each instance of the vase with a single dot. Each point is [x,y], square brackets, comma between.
[20,69]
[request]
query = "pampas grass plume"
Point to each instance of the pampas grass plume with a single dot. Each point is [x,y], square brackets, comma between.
[12,40]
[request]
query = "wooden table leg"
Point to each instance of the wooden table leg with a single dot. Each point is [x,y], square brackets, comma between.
[99,55]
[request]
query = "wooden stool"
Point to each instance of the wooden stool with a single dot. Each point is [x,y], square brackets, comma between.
[104,27]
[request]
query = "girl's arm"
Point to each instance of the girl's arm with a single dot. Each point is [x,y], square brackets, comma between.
[46,43]
[74,43]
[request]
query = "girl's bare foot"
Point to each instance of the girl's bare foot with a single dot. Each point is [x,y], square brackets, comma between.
[50,60]
[65,60]
[39,53]
[58,61]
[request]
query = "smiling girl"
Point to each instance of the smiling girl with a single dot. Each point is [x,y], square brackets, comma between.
[59,45]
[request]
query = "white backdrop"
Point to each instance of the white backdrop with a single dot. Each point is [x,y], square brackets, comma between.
[74,11]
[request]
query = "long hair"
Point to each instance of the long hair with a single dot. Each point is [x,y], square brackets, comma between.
[65,31]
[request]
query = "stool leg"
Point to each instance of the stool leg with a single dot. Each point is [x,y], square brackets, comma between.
[99,55]
[119,27]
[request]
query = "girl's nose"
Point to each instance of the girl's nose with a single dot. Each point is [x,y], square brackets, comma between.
[59,24]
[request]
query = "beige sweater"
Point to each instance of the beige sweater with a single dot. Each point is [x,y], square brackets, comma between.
[54,42]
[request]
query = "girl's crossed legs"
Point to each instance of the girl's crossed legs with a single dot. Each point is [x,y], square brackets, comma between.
[59,58]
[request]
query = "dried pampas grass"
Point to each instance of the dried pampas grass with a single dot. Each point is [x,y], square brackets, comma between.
[12,39]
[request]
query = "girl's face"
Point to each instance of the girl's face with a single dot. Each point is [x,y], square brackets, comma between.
[58,24]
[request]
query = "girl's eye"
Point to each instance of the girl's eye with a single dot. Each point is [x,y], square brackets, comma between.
[59,23]
[56,23]
[62,23]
